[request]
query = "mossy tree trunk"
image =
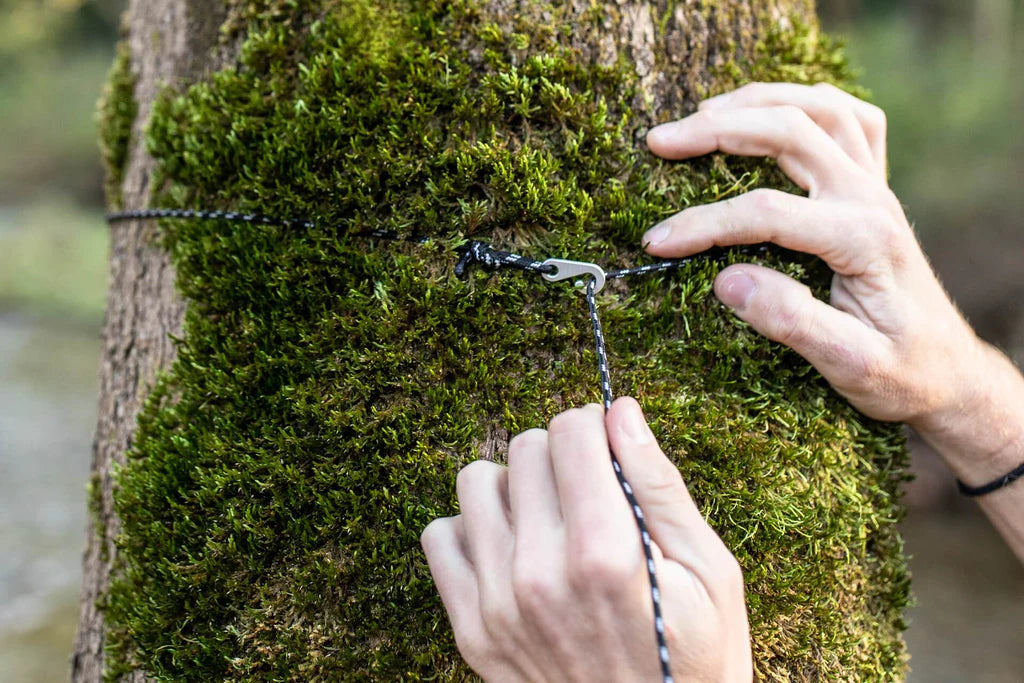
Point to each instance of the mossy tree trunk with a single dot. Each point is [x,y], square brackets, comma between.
[172,42]
[279,459]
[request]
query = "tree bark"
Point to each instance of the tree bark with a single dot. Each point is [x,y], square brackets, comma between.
[171,43]
[675,49]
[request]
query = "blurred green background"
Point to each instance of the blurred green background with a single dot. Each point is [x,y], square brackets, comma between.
[946,71]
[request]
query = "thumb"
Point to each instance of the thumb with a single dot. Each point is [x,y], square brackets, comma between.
[673,519]
[784,310]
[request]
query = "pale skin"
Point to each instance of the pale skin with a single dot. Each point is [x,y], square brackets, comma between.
[525,572]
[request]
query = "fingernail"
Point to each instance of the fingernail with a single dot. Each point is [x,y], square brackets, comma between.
[635,428]
[656,235]
[736,289]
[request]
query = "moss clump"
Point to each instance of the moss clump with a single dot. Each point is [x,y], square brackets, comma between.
[327,389]
[117,110]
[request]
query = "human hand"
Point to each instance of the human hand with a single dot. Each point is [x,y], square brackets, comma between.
[890,340]
[542,573]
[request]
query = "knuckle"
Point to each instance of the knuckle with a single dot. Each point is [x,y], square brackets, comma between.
[879,213]
[727,575]
[535,590]
[474,647]
[732,573]
[665,484]
[889,205]
[765,201]
[498,616]
[893,239]
[893,235]
[875,372]
[706,115]
[843,120]
[756,89]
[597,569]
[470,476]
[730,216]
[874,221]
[876,119]
[433,532]
[525,442]
[791,319]
[794,118]
[743,217]
[569,421]
[848,362]
[563,422]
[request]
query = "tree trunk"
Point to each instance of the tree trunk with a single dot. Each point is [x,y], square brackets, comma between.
[281,456]
[172,42]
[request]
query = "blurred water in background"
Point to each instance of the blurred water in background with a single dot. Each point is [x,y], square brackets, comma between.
[53,59]
[47,414]
[946,71]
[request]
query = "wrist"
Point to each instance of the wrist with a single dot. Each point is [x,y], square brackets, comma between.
[979,432]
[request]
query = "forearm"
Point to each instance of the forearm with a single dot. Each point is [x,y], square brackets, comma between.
[981,438]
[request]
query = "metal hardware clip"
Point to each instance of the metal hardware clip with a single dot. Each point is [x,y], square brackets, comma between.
[565,270]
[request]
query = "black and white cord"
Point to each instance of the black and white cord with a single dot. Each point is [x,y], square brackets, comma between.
[638,514]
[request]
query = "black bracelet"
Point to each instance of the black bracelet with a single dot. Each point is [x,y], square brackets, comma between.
[995,485]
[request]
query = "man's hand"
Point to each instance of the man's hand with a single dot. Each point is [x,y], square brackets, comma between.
[543,576]
[890,340]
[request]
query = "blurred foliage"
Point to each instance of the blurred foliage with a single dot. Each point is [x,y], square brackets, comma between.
[54,57]
[947,73]
[54,261]
[63,25]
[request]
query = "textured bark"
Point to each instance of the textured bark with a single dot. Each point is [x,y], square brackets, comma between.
[175,41]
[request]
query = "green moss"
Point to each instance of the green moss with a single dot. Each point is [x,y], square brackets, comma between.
[117,110]
[327,390]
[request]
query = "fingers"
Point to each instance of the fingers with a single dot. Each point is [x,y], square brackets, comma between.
[857,126]
[597,516]
[837,233]
[805,152]
[444,545]
[482,488]
[581,610]
[533,496]
[840,346]
[673,519]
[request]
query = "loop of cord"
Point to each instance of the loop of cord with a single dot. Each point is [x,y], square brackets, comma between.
[480,253]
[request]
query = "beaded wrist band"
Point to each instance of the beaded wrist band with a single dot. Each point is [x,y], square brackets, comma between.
[994,485]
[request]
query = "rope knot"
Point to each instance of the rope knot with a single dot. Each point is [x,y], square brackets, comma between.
[482,253]
[475,252]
